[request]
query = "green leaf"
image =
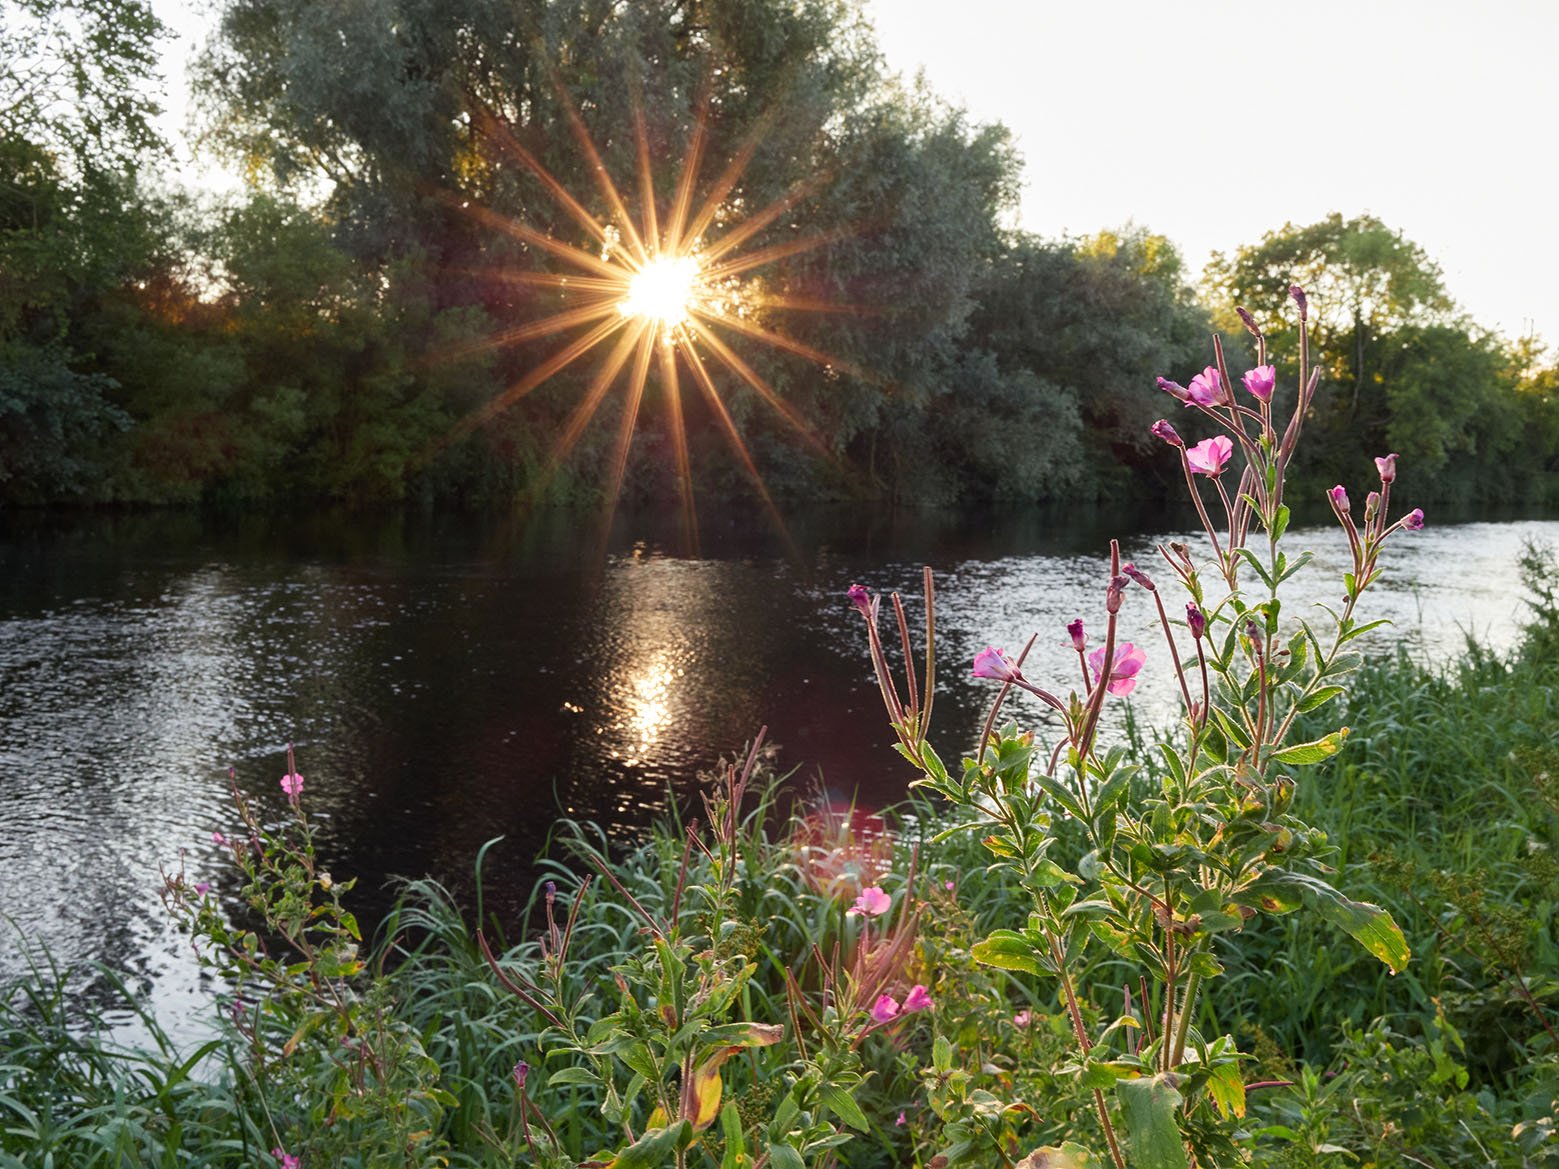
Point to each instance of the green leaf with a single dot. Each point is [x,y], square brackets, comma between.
[1007,950]
[1318,698]
[1227,1088]
[1370,925]
[1068,1156]
[572,1076]
[1149,1104]
[1099,1074]
[1281,524]
[785,1157]
[844,1104]
[655,1149]
[735,1155]
[1315,752]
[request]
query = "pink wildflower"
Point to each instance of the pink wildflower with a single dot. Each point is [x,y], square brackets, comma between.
[285,1159]
[1075,628]
[1195,621]
[991,662]
[917,1000]
[1259,382]
[202,888]
[901,1121]
[1168,433]
[1123,670]
[1023,1018]
[218,839]
[1339,498]
[292,784]
[860,598]
[1206,388]
[1209,456]
[885,1009]
[1387,467]
[1414,520]
[872,902]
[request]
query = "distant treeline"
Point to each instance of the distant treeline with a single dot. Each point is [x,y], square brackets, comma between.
[334,334]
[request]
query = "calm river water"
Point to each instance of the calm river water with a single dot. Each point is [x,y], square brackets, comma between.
[452,678]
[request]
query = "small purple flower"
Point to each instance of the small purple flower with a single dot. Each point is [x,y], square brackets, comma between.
[1387,467]
[292,784]
[1259,382]
[1209,456]
[521,1070]
[1075,628]
[1123,670]
[901,1121]
[872,902]
[1339,498]
[1163,430]
[1206,388]
[948,885]
[1195,621]
[1414,520]
[1139,576]
[860,598]
[885,1009]
[285,1159]
[202,888]
[991,662]
[917,1000]
[1023,1018]
[218,839]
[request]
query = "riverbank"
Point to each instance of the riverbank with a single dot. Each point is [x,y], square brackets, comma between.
[1443,806]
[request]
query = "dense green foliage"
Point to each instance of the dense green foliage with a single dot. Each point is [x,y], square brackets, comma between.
[324,337]
[1443,803]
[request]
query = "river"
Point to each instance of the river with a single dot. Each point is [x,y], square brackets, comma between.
[451,677]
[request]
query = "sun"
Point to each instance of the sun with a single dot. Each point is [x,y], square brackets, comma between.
[664,294]
[663,291]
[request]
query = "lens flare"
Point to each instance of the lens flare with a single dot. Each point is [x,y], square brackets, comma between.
[664,291]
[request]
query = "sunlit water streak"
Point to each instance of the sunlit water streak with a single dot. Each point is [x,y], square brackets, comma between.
[452,679]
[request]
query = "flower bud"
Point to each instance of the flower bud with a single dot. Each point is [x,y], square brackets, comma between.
[860,598]
[1387,467]
[1163,430]
[1299,298]
[1139,576]
[1249,321]
[1414,520]
[1371,505]
[1195,619]
[1112,595]
[1174,389]
[1339,498]
[521,1070]
[1076,630]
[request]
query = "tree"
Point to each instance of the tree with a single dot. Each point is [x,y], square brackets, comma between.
[445,101]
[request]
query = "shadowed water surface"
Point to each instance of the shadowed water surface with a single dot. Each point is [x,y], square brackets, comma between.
[452,678]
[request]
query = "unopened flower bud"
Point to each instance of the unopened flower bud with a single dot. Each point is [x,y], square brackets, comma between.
[1076,630]
[1387,467]
[1339,498]
[1195,619]
[521,1070]
[1112,595]
[1371,505]
[1250,322]
[1182,551]
[1175,389]
[1299,298]
[860,598]
[1163,430]
[1139,576]
[1414,520]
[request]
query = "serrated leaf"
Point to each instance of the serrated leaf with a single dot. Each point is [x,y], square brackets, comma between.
[1227,1088]
[654,1150]
[1149,1104]
[844,1104]
[1313,752]
[1318,698]
[1007,950]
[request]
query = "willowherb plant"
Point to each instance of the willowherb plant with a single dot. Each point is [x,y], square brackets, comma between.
[326,1068]
[1181,853]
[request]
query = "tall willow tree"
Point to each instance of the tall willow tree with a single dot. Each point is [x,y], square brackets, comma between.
[409,121]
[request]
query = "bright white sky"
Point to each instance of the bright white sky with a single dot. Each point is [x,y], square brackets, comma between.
[1212,121]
